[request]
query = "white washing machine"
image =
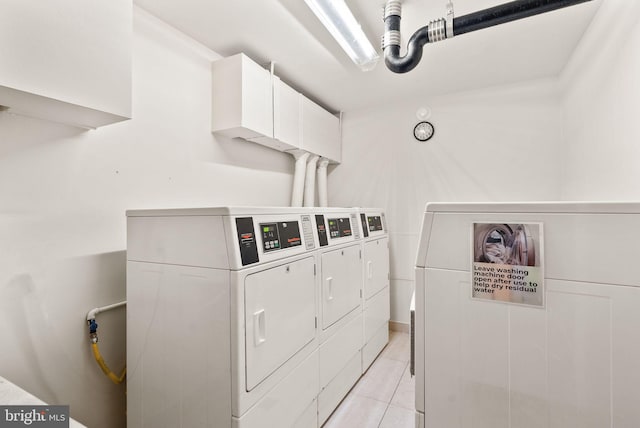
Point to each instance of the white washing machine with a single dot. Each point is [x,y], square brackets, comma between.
[375,294]
[340,305]
[527,316]
[221,318]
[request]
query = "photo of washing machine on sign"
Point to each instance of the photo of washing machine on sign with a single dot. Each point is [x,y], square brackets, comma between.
[509,244]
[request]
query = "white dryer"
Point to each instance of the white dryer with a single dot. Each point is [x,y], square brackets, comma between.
[221,318]
[375,294]
[340,305]
[527,316]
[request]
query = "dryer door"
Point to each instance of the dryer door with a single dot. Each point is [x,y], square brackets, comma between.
[341,283]
[279,316]
[376,266]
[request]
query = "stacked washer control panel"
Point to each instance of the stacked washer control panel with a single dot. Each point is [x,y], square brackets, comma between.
[243,317]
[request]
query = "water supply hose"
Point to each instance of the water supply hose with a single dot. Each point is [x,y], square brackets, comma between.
[107,371]
[93,337]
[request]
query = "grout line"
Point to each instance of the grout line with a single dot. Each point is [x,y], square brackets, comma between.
[393,395]
[388,403]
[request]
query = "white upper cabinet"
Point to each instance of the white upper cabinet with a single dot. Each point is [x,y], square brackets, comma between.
[248,102]
[242,99]
[320,131]
[67,61]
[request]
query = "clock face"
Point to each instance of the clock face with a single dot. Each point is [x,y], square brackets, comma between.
[423,131]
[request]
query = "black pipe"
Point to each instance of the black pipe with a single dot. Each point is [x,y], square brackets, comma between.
[497,15]
[506,13]
[392,57]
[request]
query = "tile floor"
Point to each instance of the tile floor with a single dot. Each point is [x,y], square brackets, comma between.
[384,396]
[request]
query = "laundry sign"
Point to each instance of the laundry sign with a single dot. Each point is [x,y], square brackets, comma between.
[507,263]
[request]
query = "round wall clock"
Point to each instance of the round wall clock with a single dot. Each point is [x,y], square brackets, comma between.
[423,131]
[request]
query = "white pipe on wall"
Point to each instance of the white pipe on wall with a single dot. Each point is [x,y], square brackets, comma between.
[310,181]
[298,177]
[91,315]
[322,183]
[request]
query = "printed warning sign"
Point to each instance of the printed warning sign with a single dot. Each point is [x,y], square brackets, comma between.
[507,263]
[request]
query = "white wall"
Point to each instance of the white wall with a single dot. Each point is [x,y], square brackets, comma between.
[63,192]
[498,144]
[63,196]
[602,108]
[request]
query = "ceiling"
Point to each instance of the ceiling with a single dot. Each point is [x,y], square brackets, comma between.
[306,57]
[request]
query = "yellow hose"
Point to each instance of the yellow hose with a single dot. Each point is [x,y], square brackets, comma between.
[96,354]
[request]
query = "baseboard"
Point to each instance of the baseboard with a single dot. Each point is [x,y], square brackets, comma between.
[399,326]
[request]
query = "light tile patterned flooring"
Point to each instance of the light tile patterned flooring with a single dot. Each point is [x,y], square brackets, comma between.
[384,396]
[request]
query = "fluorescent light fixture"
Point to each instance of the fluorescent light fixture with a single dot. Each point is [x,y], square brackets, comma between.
[338,19]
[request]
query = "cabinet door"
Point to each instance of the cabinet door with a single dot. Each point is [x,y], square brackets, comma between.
[279,316]
[242,99]
[320,131]
[376,266]
[257,98]
[286,114]
[341,283]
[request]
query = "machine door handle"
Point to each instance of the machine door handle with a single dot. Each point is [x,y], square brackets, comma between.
[329,288]
[412,351]
[259,328]
[412,357]
[370,269]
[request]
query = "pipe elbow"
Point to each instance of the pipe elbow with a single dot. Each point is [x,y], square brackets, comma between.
[435,31]
[91,315]
[403,64]
[391,41]
[399,64]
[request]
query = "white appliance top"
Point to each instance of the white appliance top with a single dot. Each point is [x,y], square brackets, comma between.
[230,211]
[236,237]
[536,207]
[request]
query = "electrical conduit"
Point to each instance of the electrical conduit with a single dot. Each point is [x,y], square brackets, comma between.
[298,177]
[310,181]
[322,182]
